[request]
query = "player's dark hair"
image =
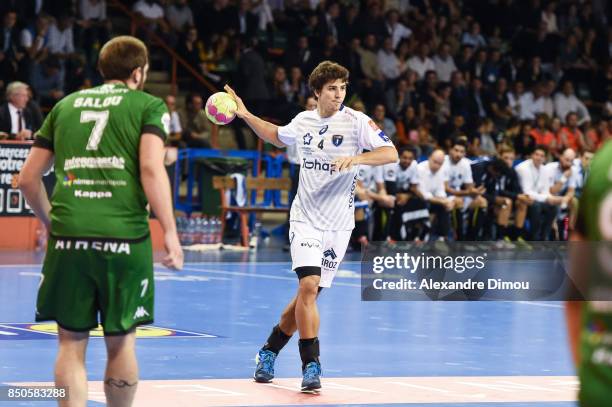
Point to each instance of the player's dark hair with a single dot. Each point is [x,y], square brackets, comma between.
[459,141]
[120,56]
[540,147]
[408,148]
[326,72]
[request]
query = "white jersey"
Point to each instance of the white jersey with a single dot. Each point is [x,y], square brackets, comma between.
[325,197]
[458,173]
[370,176]
[554,174]
[431,184]
[403,177]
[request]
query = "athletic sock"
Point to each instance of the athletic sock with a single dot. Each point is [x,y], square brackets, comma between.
[277,340]
[309,350]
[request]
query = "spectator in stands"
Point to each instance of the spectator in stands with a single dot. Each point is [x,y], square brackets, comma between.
[243,21]
[432,180]
[444,62]
[35,39]
[473,37]
[10,53]
[302,55]
[395,29]
[179,16]
[421,63]
[251,77]
[543,209]
[476,103]
[61,43]
[16,120]
[175,128]
[597,135]
[566,102]
[298,87]
[48,82]
[390,66]
[516,98]
[483,143]
[95,27]
[543,136]
[524,144]
[196,126]
[383,122]
[497,104]
[152,20]
[570,135]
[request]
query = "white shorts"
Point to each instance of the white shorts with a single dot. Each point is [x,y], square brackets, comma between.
[311,247]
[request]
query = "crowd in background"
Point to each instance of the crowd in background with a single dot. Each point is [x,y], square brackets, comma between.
[497,76]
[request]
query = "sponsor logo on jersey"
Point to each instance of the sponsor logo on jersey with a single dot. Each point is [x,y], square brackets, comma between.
[323,129]
[79,193]
[69,179]
[318,166]
[307,139]
[109,247]
[140,313]
[330,253]
[390,174]
[114,162]
[337,139]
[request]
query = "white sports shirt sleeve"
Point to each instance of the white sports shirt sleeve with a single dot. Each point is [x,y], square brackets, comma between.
[288,133]
[370,136]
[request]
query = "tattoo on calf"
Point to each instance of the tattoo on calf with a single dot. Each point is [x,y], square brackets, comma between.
[119,383]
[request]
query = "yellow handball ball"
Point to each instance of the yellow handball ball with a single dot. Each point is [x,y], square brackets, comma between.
[220,108]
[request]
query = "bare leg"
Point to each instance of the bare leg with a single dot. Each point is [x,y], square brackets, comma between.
[121,378]
[70,367]
[306,312]
[504,211]
[521,214]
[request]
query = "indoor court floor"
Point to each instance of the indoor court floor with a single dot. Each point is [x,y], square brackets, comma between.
[212,317]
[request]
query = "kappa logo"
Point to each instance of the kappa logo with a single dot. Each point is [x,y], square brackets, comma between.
[330,253]
[140,313]
[337,139]
[307,139]
[323,129]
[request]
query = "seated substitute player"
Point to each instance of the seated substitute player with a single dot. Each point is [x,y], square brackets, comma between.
[562,178]
[329,141]
[107,146]
[410,212]
[543,205]
[460,185]
[432,185]
[371,191]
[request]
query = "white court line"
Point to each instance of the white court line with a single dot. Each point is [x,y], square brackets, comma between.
[539,304]
[258,275]
[416,386]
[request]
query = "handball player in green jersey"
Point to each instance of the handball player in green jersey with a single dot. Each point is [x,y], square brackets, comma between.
[590,322]
[107,147]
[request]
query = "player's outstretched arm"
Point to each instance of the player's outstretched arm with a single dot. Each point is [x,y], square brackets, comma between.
[378,156]
[39,161]
[156,186]
[266,131]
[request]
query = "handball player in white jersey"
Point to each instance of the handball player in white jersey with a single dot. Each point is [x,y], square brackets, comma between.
[329,143]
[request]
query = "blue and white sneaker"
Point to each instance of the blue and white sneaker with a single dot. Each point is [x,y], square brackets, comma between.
[312,377]
[264,372]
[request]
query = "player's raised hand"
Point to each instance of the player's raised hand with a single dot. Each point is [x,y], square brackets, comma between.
[242,110]
[345,163]
[174,258]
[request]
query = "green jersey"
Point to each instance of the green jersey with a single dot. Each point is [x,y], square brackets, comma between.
[595,224]
[95,136]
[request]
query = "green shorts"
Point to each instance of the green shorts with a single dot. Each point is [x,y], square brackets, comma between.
[84,277]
